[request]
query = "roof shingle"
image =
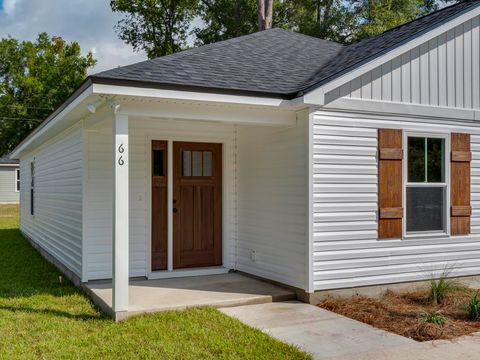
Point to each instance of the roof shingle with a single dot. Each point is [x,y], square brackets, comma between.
[272,62]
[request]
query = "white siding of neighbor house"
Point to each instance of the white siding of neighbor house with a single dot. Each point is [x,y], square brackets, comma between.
[57,224]
[272,199]
[99,188]
[8,193]
[347,252]
[441,72]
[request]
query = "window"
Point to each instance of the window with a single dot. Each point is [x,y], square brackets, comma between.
[17,180]
[196,163]
[426,186]
[159,162]
[32,187]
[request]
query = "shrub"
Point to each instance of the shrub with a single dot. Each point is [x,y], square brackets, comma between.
[442,286]
[434,317]
[473,307]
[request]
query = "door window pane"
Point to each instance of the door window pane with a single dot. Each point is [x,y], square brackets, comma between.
[425,209]
[158,163]
[207,163]
[197,163]
[416,159]
[435,160]
[186,163]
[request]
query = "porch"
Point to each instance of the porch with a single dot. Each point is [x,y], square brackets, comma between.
[225,290]
[193,195]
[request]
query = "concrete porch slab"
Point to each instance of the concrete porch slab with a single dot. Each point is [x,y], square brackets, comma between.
[225,290]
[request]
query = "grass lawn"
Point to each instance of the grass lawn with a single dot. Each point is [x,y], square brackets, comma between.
[41,318]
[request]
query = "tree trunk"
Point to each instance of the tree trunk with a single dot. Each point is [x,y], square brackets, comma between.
[265,14]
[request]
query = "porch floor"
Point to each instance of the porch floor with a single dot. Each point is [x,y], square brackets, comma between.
[225,290]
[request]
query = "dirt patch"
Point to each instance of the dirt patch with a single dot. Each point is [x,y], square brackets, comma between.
[401,313]
[9,210]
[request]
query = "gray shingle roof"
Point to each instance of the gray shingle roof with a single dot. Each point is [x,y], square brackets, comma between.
[272,62]
[7,161]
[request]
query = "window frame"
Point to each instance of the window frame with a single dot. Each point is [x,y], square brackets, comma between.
[445,185]
[17,180]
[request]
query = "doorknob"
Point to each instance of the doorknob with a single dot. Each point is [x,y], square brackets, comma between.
[175,210]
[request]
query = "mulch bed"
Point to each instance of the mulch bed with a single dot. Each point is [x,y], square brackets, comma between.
[401,313]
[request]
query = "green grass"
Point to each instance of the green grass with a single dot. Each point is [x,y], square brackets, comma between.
[41,318]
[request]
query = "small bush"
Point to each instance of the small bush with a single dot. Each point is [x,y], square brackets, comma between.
[434,317]
[473,307]
[441,287]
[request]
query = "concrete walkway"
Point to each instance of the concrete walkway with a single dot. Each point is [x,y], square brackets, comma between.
[146,296]
[327,335]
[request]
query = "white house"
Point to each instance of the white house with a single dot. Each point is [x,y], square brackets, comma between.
[9,181]
[298,160]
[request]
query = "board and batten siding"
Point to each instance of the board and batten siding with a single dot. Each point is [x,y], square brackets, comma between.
[272,197]
[8,193]
[56,225]
[441,72]
[99,189]
[347,252]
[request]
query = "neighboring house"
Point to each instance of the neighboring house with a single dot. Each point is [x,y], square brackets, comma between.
[291,158]
[9,181]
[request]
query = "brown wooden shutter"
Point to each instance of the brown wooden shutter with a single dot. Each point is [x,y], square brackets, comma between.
[460,184]
[390,151]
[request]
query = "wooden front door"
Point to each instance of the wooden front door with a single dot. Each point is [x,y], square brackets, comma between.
[159,205]
[197,204]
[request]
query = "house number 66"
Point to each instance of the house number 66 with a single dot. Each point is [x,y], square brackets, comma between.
[121,150]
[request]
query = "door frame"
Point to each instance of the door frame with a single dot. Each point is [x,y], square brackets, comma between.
[228,200]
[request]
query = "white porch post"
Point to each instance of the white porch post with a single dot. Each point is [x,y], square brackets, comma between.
[121,214]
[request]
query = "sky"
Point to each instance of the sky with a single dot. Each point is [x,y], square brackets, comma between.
[89,22]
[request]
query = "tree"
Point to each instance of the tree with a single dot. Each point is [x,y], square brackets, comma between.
[225,19]
[265,14]
[326,19]
[377,16]
[159,27]
[35,78]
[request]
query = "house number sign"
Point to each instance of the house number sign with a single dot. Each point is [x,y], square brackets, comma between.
[121,150]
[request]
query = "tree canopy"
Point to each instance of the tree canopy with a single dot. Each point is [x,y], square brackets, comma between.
[162,27]
[35,78]
[158,27]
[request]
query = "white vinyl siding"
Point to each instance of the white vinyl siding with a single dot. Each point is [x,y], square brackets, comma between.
[57,224]
[441,72]
[272,203]
[8,193]
[99,188]
[347,252]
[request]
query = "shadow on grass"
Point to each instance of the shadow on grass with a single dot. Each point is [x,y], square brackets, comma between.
[54,312]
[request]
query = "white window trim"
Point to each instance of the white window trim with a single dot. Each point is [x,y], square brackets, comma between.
[446,184]
[17,185]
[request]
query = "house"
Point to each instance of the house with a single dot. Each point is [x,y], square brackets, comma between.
[9,181]
[294,159]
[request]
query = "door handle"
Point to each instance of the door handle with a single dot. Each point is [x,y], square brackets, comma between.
[175,210]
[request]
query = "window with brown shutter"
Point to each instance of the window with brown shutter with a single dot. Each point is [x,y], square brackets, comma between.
[460,184]
[390,152]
